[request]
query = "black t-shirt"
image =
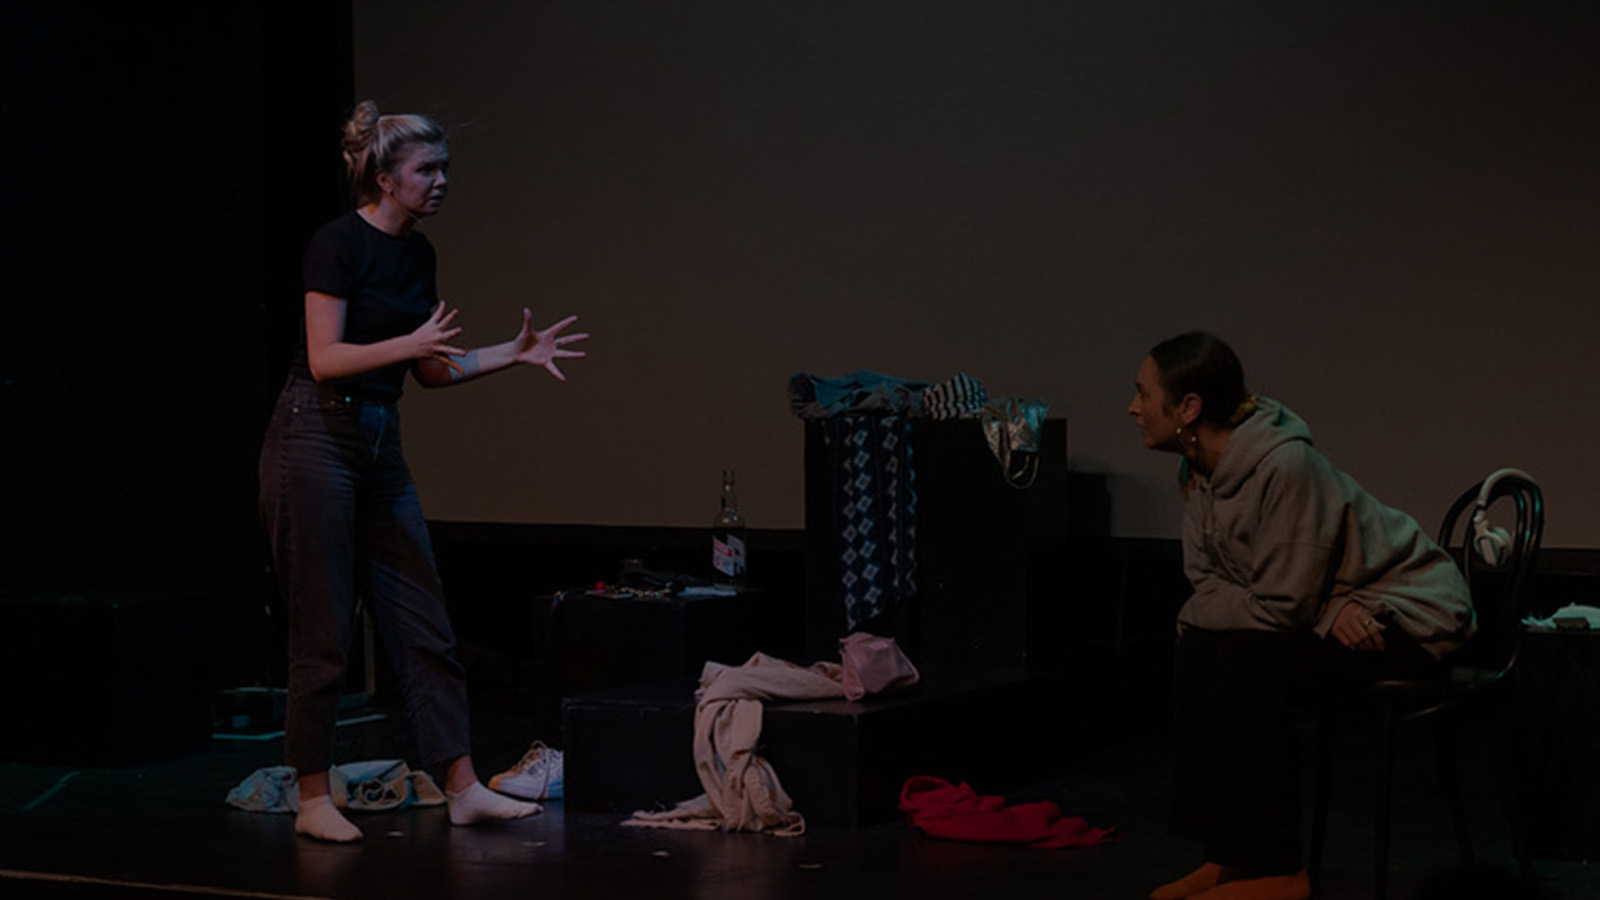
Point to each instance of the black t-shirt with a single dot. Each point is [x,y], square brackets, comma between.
[387,283]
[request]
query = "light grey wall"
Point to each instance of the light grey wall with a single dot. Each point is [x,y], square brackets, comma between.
[1393,214]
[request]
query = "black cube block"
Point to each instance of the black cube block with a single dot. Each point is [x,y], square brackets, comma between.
[842,762]
[845,762]
[107,678]
[630,748]
[1557,689]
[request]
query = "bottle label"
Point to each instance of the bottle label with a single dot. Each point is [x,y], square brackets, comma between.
[727,555]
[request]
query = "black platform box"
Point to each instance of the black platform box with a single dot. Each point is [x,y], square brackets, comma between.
[991,587]
[629,748]
[843,763]
[1557,684]
[105,678]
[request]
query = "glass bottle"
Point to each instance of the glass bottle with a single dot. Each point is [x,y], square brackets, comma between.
[727,538]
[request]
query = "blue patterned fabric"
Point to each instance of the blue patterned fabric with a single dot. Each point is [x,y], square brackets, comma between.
[875,510]
[816,397]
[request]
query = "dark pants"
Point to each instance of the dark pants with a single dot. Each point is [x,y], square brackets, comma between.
[1236,778]
[344,520]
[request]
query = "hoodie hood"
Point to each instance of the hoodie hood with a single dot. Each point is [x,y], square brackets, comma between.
[1271,426]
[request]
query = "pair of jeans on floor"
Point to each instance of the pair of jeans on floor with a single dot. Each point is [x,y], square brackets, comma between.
[343,519]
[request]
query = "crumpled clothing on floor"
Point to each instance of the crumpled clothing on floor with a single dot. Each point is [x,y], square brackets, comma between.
[959,813]
[370,785]
[742,792]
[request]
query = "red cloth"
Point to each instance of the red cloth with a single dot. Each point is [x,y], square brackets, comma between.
[959,813]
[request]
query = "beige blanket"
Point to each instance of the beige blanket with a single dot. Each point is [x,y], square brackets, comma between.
[742,792]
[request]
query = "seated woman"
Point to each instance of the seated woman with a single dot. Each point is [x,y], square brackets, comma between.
[1302,583]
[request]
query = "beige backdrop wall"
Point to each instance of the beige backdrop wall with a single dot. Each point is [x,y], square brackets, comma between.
[1393,214]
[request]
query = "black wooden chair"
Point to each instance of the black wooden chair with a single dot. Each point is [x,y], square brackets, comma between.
[1475,688]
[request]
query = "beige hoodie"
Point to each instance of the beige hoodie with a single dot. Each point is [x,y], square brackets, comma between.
[1277,538]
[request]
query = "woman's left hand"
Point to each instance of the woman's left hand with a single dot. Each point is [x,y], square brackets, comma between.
[544,347]
[1356,628]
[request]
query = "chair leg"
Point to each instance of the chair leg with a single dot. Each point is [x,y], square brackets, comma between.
[1385,800]
[1326,727]
[1510,763]
[1448,756]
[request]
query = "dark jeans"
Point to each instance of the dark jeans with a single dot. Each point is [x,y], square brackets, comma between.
[1236,776]
[344,520]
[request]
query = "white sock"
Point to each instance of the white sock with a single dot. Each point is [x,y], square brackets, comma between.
[479,804]
[320,819]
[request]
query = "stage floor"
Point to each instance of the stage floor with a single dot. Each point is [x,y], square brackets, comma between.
[164,831]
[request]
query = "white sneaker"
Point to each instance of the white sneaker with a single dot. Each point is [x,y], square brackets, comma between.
[537,776]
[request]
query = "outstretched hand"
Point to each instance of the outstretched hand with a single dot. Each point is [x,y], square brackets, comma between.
[544,347]
[433,337]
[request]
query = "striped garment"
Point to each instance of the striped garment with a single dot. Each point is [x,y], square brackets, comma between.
[959,398]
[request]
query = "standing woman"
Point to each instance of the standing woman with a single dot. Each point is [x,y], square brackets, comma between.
[1302,583]
[337,497]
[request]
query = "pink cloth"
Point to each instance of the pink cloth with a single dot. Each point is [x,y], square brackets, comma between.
[873,665]
[959,813]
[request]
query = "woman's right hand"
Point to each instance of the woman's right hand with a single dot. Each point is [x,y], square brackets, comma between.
[433,337]
[1357,628]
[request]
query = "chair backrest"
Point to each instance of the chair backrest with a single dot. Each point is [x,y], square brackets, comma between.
[1501,594]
